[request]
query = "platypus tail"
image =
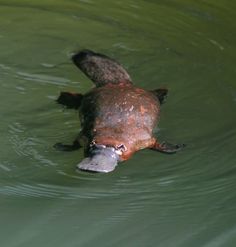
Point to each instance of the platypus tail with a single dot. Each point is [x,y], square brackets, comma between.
[100,68]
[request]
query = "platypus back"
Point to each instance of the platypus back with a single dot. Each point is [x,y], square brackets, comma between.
[100,68]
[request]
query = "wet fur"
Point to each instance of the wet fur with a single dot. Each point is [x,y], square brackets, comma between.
[100,68]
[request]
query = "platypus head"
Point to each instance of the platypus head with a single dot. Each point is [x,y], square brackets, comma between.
[101,159]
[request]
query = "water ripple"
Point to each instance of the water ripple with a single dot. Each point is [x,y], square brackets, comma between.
[43,78]
[5,168]
[53,191]
[26,145]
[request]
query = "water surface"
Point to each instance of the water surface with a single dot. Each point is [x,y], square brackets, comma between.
[182,200]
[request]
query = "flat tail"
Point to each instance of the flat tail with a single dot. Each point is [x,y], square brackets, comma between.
[100,68]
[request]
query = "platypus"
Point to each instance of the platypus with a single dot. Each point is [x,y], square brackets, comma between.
[117,118]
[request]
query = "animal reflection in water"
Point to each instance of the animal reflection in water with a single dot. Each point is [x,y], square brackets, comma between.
[117,118]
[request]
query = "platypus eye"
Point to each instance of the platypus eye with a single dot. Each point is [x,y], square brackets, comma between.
[121,148]
[92,143]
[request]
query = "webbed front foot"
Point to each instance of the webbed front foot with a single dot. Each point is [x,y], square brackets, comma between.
[70,100]
[65,147]
[161,94]
[166,147]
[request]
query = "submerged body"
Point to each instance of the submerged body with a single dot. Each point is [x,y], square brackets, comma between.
[117,118]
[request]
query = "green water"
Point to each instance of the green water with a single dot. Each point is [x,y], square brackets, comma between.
[152,200]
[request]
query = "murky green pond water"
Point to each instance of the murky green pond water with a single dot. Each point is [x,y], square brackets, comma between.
[182,200]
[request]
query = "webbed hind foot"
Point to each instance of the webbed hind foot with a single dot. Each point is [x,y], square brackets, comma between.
[166,147]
